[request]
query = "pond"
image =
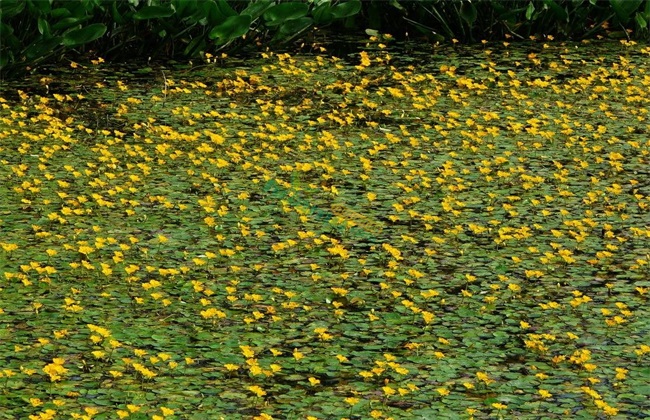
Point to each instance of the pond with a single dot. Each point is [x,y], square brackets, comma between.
[399,231]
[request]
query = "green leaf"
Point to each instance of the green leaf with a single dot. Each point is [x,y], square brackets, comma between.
[295,26]
[232,28]
[11,8]
[225,9]
[559,11]
[347,9]
[60,12]
[67,23]
[530,10]
[196,45]
[468,12]
[5,30]
[396,5]
[44,7]
[208,13]
[640,21]
[42,47]
[117,16]
[283,12]
[154,12]
[256,9]
[43,27]
[84,35]
[625,8]
[322,14]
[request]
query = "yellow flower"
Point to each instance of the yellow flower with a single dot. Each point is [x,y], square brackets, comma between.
[257,390]
[388,390]
[247,352]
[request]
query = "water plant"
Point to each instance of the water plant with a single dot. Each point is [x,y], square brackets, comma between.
[372,236]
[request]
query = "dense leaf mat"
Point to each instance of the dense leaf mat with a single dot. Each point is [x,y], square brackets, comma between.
[456,232]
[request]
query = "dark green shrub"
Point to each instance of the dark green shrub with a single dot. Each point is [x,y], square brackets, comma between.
[35,31]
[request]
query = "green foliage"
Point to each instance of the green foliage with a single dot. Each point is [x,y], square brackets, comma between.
[36,31]
[474,20]
[231,28]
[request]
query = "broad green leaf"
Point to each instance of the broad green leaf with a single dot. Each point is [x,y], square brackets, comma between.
[322,14]
[624,9]
[346,9]
[282,12]
[67,23]
[232,28]
[154,12]
[209,13]
[184,8]
[257,8]
[42,47]
[84,35]
[225,9]
[559,11]
[60,12]
[468,12]
[295,26]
